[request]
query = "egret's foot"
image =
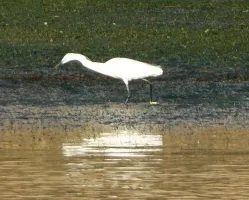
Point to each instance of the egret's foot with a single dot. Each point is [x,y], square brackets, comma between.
[154,103]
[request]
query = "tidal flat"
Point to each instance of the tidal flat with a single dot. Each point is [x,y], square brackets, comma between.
[203,49]
[67,134]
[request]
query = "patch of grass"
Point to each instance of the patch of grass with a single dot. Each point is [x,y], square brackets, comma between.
[186,34]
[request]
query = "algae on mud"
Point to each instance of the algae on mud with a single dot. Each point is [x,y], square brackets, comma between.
[178,34]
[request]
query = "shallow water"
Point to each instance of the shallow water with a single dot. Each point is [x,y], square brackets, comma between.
[131,165]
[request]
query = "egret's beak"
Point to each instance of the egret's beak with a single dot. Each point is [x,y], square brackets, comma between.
[57,66]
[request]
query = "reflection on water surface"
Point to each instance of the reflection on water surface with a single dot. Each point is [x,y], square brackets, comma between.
[116,145]
[130,165]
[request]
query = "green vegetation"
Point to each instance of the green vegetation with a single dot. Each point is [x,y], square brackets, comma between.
[205,34]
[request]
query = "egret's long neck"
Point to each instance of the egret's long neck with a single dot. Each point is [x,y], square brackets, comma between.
[95,66]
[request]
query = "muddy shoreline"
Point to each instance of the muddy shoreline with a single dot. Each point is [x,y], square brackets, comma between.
[71,111]
[66,101]
[40,114]
[202,49]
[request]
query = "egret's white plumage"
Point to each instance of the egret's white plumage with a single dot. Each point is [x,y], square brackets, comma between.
[120,68]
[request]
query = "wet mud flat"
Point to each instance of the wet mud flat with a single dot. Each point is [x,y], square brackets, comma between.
[84,108]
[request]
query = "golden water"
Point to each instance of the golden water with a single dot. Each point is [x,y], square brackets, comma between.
[130,165]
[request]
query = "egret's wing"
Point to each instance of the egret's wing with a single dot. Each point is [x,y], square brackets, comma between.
[132,69]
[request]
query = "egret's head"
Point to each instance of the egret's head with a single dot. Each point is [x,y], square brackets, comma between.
[67,58]
[72,57]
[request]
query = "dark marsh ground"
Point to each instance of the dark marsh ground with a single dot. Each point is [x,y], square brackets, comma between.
[203,35]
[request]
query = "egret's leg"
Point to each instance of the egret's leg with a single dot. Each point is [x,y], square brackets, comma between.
[128,96]
[151,101]
[128,91]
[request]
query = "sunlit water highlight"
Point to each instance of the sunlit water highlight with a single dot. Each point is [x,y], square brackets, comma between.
[129,165]
[124,145]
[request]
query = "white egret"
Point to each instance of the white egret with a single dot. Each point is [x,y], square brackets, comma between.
[121,68]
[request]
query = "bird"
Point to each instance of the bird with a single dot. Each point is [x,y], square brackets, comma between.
[125,69]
